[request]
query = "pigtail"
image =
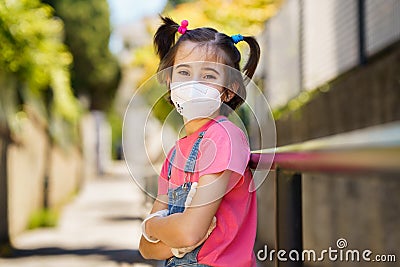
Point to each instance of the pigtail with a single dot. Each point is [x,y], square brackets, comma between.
[254,56]
[164,38]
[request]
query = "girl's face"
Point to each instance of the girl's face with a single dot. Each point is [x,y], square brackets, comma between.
[193,63]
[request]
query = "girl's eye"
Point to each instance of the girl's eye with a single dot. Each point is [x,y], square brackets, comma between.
[183,72]
[210,77]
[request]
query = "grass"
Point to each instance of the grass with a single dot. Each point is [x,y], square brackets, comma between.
[43,218]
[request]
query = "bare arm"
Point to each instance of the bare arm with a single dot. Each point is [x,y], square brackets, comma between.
[157,251]
[188,228]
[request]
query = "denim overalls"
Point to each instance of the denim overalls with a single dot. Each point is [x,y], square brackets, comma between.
[177,198]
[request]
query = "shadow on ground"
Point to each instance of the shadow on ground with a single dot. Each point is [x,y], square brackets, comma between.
[117,255]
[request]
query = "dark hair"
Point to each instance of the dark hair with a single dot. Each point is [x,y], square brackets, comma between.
[221,44]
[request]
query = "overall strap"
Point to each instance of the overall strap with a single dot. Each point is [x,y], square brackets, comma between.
[170,163]
[191,161]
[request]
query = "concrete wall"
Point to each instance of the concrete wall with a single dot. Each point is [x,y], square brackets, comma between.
[65,175]
[266,214]
[26,169]
[27,162]
[68,168]
[368,95]
[363,209]
[89,146]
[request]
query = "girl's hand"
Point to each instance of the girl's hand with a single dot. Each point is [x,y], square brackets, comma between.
[189,227]
[160,213]
[157,251]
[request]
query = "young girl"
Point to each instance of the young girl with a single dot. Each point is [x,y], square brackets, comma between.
[204,214]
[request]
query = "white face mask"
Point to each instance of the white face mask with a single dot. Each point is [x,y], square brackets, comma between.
[195,100]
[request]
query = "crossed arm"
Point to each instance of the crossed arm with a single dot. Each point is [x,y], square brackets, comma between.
[187,228]
[157,251]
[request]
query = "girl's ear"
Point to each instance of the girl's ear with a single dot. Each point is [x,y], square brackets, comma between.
[167,78]
[230,92]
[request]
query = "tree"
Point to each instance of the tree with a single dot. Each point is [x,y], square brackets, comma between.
[95,71]
[246,17]
[34,70]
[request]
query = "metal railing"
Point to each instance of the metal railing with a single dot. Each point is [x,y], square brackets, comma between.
[373,149]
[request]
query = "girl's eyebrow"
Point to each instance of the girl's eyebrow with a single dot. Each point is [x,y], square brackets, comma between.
[211,69]
[182,66]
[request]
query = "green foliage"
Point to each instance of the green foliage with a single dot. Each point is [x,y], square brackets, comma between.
[43,218]
[34,62]
[246,17]
[157,94]
[95,72]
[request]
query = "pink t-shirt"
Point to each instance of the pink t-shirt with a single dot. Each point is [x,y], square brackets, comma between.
[224,147]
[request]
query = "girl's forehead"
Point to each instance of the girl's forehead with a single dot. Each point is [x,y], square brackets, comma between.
[191,52]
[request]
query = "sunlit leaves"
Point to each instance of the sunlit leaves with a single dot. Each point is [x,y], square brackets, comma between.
[245,17]
[32,50]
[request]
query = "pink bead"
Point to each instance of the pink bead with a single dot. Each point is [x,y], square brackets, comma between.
[184,23]
[181,30]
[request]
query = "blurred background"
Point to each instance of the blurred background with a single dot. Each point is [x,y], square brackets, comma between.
[69,68]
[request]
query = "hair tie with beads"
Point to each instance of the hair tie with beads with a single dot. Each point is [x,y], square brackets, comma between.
[183,28]
[237,38]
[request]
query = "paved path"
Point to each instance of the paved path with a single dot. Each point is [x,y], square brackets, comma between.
[101,228]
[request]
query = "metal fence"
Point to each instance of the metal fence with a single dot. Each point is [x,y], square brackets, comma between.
[310,42]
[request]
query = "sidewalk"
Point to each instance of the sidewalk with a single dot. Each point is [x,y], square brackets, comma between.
[101,228]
